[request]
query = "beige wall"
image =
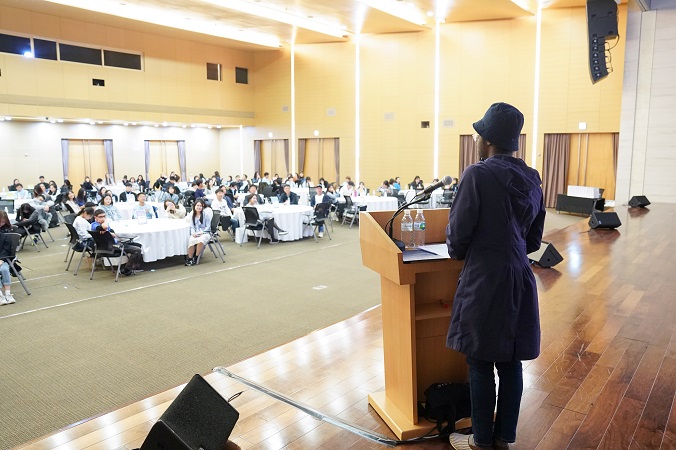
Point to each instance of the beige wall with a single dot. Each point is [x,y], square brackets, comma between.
[34,149]
[647,160]
[172,87]
[481,62]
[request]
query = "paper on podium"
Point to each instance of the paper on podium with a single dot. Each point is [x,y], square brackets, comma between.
[426,253]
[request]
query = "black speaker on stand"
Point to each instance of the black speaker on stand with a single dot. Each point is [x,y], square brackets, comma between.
[639,201]
[546,257]
[199,418]
[604,220]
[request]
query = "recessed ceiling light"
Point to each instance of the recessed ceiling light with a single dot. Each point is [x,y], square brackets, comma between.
[157,125]
[192,126]
[8,118]
[99,122]
[92,123]
[185,126]
[164,124]
[219,127]
[28,54]
[60,120]
[209,127]
[133,123]
[52,121]
[126,124]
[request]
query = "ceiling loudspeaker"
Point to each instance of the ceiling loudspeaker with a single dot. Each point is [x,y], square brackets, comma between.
[547,256]
[199,418]
[639,201]
[604,220]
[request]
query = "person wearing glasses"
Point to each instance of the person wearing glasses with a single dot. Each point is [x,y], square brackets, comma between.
[497,219]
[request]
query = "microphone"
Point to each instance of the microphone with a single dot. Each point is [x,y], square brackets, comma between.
[444,182]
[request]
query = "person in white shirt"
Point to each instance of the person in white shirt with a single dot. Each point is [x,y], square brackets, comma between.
[174,211]
[266,178]
[347,190]
[143,208]
[221,204]
[21,193]
[200,225]
[82,226]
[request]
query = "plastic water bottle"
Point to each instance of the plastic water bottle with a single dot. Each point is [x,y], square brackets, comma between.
[407,229]
[419,229]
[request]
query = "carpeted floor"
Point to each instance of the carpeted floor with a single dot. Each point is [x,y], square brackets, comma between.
[76,348]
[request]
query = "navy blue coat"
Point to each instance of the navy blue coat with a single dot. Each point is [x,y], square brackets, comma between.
[497,218]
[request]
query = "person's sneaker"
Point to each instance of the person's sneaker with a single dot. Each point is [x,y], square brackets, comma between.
[321,234]
[283,233]
[188,262]
[9,298]
[274,242]
[2,300]
[463,442]
[126,272]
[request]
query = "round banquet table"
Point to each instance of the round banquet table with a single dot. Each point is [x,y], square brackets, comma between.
[160,238]
[303,194]
[116,189]
[373,203]
[287,217]
[126,209]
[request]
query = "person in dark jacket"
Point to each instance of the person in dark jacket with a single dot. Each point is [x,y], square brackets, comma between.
[288,196]
[497,218]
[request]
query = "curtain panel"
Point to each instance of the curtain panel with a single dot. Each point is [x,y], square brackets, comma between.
[146,147]
[302,146]
[108,147]
[336,157]
[181,159]
[257,156]
[64,158]
[468,152]
[555,166]
[286,154]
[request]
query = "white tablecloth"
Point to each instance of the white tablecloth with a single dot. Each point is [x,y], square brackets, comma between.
[288,218]
[116,189]
[126,209]
[377,203]
[303,194]
[160,238]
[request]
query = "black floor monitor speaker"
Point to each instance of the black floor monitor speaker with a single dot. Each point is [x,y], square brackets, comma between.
[546,257]
[604,220]
[639,201]
[199,418]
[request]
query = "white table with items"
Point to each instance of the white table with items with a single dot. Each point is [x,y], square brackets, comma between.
[160,238]
[126,209]
[287,217]
[374,203]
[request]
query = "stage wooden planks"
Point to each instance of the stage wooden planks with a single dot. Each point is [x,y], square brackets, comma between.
[606,377]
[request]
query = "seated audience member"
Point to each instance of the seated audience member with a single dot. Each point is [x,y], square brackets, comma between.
[100,193]
[38,189]
[5,223]
[266,178]
[277,185]
[158,194]
[173,211]
[361,190]
[268,222]
[287,197]
[29,217]
[416,183]
[253,191]
[142,184]
[397,184]
[320,197]
[308,182]
[134,185]
[6,297]
[82,226]
[87,185]
[199,191]
[244,183]
[81,197]
[71,203]
[127,195]
[220,203]
[172,193]
[133,250]
[385,189]
[66,186]
[143,208]
[99,184]
[109,208]
[200,226]
[12,187]
[345,182]
[348,189]
[256,178]
[43,208]
[21,193]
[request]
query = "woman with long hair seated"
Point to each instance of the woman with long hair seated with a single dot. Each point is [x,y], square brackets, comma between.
[174,211]
[200,226]
[172,194]
[111,211]
[71,203]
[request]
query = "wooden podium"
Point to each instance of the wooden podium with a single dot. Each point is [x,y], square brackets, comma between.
[417,298]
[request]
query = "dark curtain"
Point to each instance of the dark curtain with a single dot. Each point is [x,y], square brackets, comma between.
[521,153]
[336,157]
[257,156]
[181,160]
[555,167]
[286,154]
[108,147]
[302,145]
[146,148]
[468,152]
[64,157]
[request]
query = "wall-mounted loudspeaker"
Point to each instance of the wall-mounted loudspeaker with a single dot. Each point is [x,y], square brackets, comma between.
[639,201]
[604,220]
[199,418]
[546,257]
[601,24]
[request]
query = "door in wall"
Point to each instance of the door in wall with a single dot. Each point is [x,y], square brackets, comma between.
[592,162]
[320,159]
[273,157]
[163,159]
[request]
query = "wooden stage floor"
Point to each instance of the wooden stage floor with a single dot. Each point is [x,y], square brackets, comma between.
[605,379]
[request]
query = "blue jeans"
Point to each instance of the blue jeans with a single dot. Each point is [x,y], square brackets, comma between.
[4,273]
[482,392]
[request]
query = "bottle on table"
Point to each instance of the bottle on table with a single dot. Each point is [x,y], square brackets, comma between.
[419,229]
[407,229]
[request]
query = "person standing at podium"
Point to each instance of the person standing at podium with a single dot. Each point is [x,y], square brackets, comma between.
[497,218]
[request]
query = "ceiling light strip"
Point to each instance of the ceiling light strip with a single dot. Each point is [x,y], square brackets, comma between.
[403,10]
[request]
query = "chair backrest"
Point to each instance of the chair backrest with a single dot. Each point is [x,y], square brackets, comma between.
[322,210]
[448,194]
[230,196]
[104,241]
[73,233]
[225,222]
[348,201]
[251,216]
[7,205]
[268,191]
[215,220]
[69,218]
[262,185]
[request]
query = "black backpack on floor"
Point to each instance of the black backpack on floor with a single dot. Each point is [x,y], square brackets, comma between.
[446,403]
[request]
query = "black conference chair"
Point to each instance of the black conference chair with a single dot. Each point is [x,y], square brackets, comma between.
[214,244]
[106,248]
[12,261]
[253,223]
[319,218]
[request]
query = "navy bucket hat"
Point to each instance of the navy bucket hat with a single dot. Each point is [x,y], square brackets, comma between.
[501,126]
